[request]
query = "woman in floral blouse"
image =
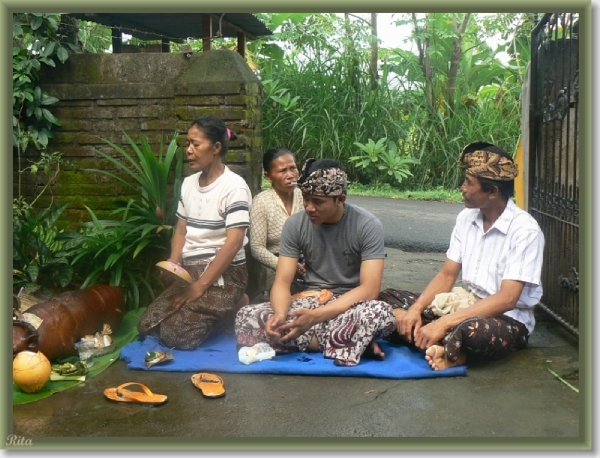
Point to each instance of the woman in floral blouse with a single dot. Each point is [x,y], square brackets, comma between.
[271,208]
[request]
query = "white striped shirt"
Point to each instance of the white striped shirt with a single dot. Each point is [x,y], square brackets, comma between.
[512,249]
[211,210]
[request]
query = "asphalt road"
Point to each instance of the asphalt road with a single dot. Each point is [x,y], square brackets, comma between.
[411,225]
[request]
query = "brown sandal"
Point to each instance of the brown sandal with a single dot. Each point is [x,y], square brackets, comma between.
[120,394]
[211,385]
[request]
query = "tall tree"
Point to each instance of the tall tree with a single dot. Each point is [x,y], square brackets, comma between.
[455,58]
[374,52]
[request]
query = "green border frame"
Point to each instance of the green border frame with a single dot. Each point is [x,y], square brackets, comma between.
[584,8]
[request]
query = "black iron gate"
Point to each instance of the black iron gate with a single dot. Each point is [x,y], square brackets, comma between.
[553,160]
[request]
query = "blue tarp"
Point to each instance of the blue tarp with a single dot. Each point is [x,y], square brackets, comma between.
[219,354]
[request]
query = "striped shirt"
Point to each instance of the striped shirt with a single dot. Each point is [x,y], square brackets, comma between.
[512,249]
[209,211]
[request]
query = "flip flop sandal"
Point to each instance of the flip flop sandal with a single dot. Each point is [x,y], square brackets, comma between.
[120,394]
[211,385]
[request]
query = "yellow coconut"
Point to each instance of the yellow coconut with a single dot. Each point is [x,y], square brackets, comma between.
[31,371]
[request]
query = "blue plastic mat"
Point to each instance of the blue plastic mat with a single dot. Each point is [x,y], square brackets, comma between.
[219,354]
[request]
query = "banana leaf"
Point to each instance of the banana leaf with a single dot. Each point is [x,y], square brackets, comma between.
[125,333]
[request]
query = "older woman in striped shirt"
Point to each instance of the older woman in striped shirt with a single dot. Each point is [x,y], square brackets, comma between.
[213,216]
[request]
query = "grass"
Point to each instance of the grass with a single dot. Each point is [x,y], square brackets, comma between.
[385,190]
[438,195]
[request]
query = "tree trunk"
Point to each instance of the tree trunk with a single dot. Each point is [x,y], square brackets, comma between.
[455,60]
[374,52]
[353,63]
[425,61]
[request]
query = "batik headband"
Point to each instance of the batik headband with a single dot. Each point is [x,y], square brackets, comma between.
[488,164]
[332,181]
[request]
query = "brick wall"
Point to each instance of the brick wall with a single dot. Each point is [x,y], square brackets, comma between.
[104,95]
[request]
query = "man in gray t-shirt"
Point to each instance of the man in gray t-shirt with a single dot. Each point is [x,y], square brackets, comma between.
[335,251]
[344,253]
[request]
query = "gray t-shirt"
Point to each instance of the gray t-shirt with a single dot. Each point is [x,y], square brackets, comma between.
[334,252]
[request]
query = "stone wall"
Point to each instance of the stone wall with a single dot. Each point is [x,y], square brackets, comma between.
[103,95]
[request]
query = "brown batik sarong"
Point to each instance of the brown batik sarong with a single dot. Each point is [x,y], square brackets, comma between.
[193,323]
[485,339]
[343,338]
[478,337]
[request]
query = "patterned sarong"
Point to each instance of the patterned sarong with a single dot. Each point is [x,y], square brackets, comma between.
[193,323]
[480,338]
[343,338]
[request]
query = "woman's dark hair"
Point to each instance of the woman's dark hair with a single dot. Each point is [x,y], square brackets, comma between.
[506,188]
[271,155]
[215,130]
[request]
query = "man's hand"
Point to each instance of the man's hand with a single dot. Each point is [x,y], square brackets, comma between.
[300,270]
[430,334]
[408,324]
[273,325]
[304,320]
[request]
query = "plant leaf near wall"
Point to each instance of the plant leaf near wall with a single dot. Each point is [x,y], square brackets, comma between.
[148,176]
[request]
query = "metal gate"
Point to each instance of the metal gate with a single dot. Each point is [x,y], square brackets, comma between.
[553,160]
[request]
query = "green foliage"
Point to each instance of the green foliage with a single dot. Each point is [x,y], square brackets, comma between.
[319,101]
[41,256]
[394,164]
[148,176]
[120,252]
[94,37]
[123,251]
[383,156]
[35,43]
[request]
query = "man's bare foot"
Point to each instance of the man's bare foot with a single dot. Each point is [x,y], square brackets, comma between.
[374,351]
[437,359]
[313,345]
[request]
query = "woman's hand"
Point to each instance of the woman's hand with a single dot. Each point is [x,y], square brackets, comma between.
[188,294]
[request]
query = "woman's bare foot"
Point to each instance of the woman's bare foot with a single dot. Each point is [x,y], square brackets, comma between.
[374,351]
[437,359]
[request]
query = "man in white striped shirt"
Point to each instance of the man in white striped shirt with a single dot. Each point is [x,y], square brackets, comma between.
[499,249]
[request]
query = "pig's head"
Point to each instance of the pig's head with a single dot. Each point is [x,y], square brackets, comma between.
[25,337]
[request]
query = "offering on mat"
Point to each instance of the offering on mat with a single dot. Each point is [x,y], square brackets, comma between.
[156,357]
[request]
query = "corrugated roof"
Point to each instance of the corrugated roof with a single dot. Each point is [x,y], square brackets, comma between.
[178,27]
